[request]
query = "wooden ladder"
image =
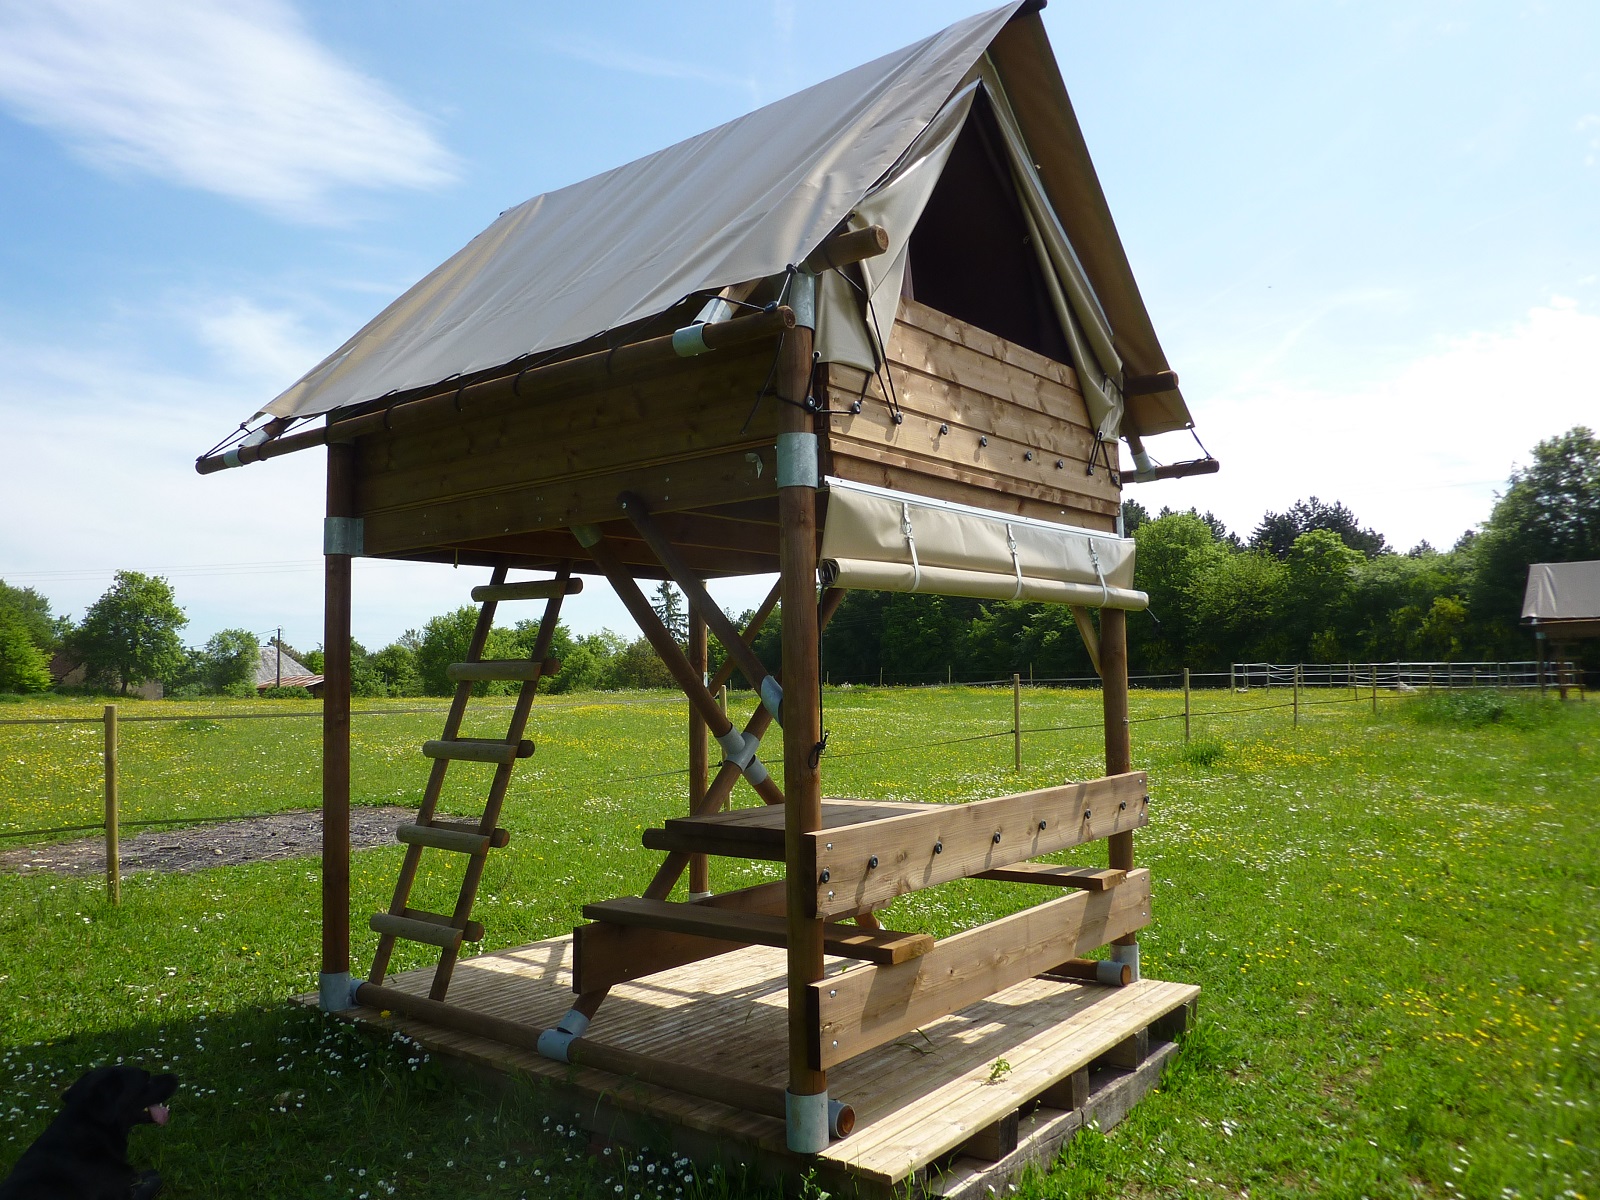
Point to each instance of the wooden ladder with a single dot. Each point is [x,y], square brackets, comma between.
[473,839]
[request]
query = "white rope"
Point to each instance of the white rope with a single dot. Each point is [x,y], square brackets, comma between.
[1016,560]
[911,543]
[1094,557]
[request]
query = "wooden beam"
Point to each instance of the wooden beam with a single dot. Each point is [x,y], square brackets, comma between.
[1088,879]
[1118,727]
[699,761]
[885,947]
[851,246]
[336,724]
[443,403]
[1090,636]
[865,865]
[1150,385]
[868,1006]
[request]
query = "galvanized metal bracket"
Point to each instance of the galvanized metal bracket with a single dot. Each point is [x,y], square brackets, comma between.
[343,535]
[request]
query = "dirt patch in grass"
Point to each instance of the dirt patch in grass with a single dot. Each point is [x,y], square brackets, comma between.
[295,834]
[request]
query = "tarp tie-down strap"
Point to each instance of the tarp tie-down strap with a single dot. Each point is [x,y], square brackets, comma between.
[911,544]
[1094,558]
[1016,560]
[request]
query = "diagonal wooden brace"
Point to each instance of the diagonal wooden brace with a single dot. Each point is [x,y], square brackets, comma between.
[700,600]
[676,862]
[676,661]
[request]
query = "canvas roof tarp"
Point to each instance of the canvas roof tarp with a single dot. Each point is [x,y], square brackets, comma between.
[884,540]
[1562,592]
[741,202]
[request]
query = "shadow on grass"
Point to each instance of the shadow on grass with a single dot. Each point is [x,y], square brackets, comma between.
[283,1101]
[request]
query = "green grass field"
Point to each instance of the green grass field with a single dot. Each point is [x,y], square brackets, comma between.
[1393,919]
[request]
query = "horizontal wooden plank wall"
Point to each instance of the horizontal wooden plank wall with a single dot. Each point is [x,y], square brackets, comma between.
[679,439]
[869,1005]
[985,422]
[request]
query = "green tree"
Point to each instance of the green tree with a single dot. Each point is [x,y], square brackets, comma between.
[1321,580]
[229,662]
[1238,604]
[23,666]
[445,640]
[1549,513]
[33,610]
[1172,551]
[1278,531]
[396,667]
[671,609]
[130,634]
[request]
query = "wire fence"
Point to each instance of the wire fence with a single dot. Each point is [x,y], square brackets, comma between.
[1308,686]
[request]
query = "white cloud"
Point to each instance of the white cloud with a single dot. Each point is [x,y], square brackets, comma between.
[236,99]
[1417,453]
[272,346]
[617,58]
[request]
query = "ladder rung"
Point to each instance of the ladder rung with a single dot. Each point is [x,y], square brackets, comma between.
[443,839]
[533,589]
[502,668]
[424,927]
[494,750]
[472,933]
[497,839]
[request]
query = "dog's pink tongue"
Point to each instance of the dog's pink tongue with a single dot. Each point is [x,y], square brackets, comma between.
[159,1113]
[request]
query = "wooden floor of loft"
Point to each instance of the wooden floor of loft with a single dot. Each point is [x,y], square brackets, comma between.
[917,1100]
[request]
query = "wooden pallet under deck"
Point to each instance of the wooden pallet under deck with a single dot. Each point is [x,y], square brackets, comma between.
[917,1100]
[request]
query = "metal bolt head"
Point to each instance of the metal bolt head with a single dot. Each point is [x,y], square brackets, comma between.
[1041,826]
[1122,805]
[1060,463]
[872,862]
[938,847]
[1028,457]
[826,874]
[833,991]
[996,837]
[983,440]
[1087,814]
[944,426]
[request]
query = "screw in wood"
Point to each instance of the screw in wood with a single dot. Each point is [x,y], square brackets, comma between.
[1028,457]
[996,837]
[872,862]
[983,440]
[1060,463]
[944,426]
[826,874]
[938,847]
[1041,826]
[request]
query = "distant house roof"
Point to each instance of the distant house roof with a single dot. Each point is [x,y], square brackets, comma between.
[289,673]
[1563,598]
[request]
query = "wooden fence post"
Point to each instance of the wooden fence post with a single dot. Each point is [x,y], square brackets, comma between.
[1186,706]
[1016,719]
[113,849]
[1374,689]
[1296,686]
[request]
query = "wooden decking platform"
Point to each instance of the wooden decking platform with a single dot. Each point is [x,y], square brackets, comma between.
[918,1100]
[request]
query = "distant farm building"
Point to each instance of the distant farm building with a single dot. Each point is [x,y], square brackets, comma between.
[277,669]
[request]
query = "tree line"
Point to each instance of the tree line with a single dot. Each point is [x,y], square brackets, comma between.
[1310,584]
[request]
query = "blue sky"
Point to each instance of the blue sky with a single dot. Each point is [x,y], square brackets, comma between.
[1368,234]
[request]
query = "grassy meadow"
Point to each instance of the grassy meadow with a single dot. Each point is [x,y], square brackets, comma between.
[1393,918]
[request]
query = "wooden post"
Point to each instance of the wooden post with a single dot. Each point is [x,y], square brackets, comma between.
[1374,689]
[1233,682]
[1538,642]
[802,720]
[1118,737]
[1297,695]
[113,848]
[336,728]
[1016,720]
[1186,706]
[699,868]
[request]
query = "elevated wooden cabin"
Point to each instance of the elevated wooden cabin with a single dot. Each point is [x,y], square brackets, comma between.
[880,334]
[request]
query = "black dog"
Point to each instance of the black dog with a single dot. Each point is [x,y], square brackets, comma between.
[83,1153]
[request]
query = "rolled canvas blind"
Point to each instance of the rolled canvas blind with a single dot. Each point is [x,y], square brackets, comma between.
[892,541]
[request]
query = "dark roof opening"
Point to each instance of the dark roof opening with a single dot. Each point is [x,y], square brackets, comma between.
[971,255]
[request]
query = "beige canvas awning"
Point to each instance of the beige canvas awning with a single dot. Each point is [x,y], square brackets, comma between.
[1562,592]
[883,540]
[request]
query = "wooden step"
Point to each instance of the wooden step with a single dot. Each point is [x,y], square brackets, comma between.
[497,839]
[472,933]
[492,750]
[522,669]
[431,928]
[461,841]
[882,946]
[1090,879]
[758,832]
[532,589]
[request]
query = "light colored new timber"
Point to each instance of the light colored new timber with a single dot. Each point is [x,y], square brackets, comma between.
[758,832]
[443,839]
[1090,879]
[872,1005]
[501,669]
[882,946]
[915,1103]
[531,589]
[433,932]
[874,861]
[489,750]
